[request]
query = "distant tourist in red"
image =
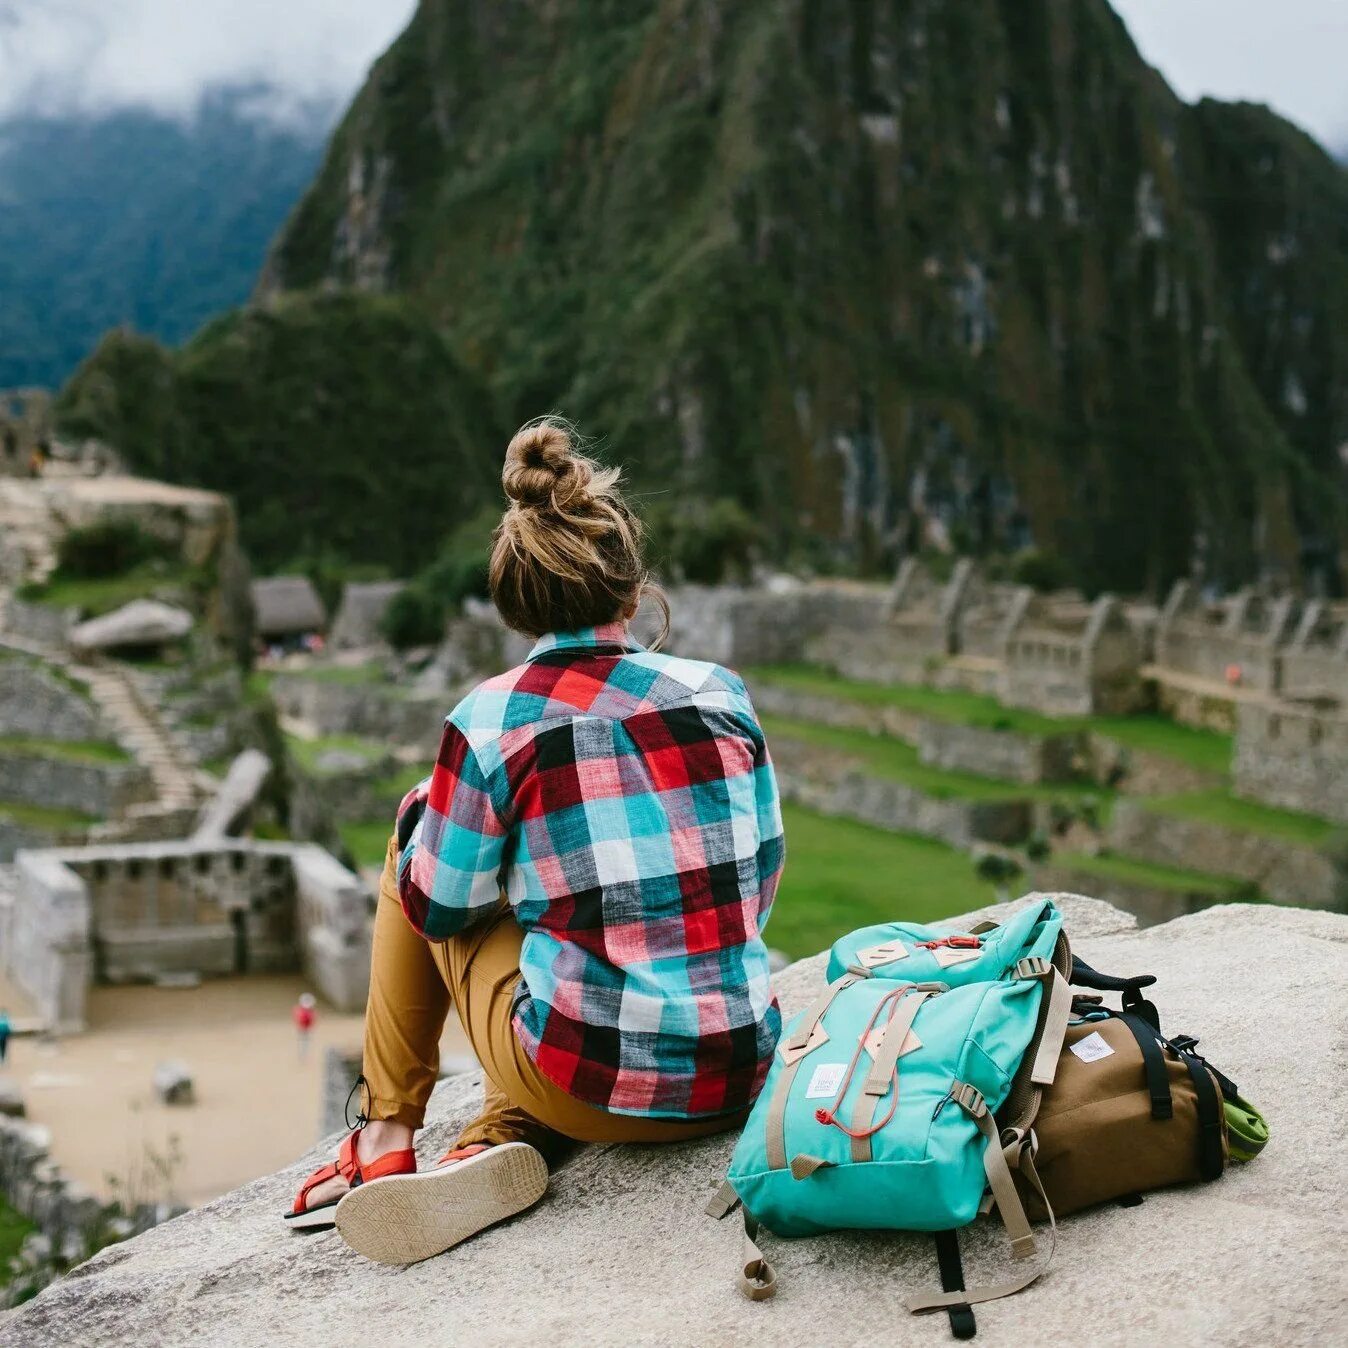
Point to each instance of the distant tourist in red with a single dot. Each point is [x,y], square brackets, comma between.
[303,1016]
[585,876]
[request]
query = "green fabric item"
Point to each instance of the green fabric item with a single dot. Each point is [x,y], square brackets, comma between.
[1247,1128]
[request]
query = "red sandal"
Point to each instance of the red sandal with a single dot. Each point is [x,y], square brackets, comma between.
[304,1218]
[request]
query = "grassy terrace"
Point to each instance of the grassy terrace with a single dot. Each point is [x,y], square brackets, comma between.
[1111,867]
[891,758]
[367,840]
[1204,750]
[841,874]
[307,752]
[44,817]
[100,595]
[70,751]
[1246,816]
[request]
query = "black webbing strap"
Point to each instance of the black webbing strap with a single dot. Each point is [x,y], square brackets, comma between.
[962,1322]
[1131,988]
[1186,1043]
[1211,1162]
[1153,1063]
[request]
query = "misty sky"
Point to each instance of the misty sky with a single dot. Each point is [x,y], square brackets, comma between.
[56,55]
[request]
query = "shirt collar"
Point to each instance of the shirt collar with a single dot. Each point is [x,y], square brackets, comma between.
[606,634]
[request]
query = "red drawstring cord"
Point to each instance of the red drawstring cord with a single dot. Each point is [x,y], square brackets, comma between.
[826,1116]
[953,942]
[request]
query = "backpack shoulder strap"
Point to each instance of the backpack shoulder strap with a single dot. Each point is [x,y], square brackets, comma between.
[1009,1207]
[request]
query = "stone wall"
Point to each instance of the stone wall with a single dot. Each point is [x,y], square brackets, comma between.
[1294,757]
[772,699]
[832,784]
[1150,904]
[1286,871]
[380,711]
[130,912]
[70,1220]
[1004,754]
[46,944]
[38,623]
[35,702]
[92,787]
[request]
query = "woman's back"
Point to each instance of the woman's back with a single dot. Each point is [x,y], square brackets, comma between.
[625,801]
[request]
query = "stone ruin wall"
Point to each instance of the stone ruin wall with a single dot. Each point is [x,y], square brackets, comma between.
[1293,757]
[128,913]
[1289,872]
[35,703]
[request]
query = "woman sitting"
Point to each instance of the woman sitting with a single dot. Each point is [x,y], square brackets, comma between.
[584,876]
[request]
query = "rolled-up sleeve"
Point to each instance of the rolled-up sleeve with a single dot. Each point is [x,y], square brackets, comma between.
[452,843]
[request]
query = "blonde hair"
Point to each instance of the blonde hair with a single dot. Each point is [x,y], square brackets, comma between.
[567,553]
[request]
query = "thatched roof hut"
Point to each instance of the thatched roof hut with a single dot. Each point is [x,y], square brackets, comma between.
[287,606]
[361,611]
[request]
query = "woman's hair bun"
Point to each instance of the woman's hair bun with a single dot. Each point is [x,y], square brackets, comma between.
[543,467]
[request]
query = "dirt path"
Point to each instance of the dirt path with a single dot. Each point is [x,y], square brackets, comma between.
[258,1103]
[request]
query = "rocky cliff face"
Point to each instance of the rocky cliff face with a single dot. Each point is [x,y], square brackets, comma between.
[621,1253]
[886,272]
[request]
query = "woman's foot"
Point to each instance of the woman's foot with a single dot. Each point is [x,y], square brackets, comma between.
[407,1218]
[379,1149]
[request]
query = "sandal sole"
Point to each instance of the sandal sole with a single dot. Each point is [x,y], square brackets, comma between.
[404,1219]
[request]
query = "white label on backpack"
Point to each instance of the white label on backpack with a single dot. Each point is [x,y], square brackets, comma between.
[825,1081]
[1091,1048]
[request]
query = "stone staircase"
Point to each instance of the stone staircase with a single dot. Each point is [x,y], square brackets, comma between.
[139,730]
[133,723]
[28,527]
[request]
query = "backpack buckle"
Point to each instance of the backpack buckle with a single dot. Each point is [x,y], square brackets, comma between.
[1032,966]
[969,1098]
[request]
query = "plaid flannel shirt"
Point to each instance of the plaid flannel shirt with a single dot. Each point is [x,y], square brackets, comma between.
[625,804]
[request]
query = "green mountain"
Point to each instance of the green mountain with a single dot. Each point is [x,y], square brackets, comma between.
[882,270]
[139,219]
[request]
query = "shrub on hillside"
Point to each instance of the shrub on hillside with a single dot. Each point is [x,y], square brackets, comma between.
[415,617]
[108,548]
[706,543]
[1042,571]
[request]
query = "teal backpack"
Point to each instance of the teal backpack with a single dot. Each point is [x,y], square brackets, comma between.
[906,1092]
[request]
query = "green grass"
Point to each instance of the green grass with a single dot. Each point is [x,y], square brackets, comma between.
[1109,866]
[43,817]
[887,757]
[352,676]
[13,1228]
[1205,750]
[71,751]
[367,841]
[397,784]
[102,594]
[307,752]
[841,874]
[1218,806]
[973,709]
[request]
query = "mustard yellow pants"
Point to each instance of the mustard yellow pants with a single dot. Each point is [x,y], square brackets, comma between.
[413,983]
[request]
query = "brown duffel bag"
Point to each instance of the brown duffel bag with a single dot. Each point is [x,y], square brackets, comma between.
[1127,1112]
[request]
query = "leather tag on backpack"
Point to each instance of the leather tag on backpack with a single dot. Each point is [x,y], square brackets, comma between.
[946,956]
[888,953]
[871,1043]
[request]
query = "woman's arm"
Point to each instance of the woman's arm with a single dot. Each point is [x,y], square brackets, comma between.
[452,843]
[771,834]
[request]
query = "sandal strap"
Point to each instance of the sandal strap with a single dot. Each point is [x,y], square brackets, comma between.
[390,1163]
[462,1153]
[348,1166]
[320,1176]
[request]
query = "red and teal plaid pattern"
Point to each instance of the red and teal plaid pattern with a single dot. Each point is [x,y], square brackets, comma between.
[625,802]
